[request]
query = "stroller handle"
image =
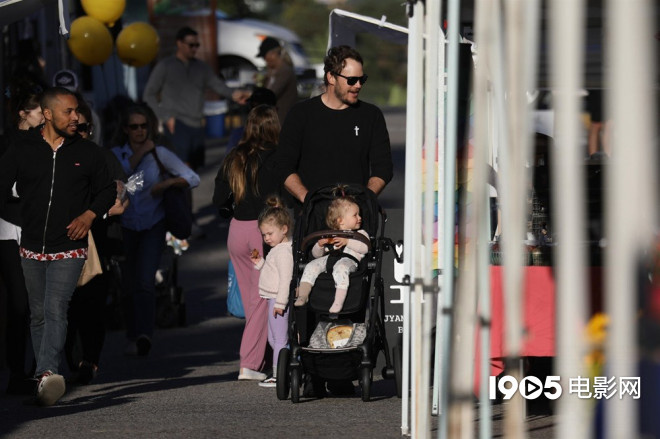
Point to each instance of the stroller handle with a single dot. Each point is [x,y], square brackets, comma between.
[321,234]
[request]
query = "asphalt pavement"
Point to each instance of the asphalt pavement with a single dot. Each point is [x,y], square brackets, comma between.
[187,386]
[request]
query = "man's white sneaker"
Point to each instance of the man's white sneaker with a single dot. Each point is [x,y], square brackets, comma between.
[50,389]
[269,382]
[245,374]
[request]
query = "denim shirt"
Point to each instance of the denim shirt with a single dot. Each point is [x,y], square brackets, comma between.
[145,210]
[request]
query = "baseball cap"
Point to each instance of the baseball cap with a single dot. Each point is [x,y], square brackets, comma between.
[268,44]
[67,79]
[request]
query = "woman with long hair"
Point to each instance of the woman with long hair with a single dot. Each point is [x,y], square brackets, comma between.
[247,173]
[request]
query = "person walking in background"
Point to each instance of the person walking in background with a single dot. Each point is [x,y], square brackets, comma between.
[143,221]
[247,173]
[280,76]
[64,185]
[275,224]
[25,114]
[598,139]
[87,307]
[335,138]
[175,91]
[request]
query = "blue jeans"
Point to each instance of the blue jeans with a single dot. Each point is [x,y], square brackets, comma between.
[188,143]
[50,285]
[143,251]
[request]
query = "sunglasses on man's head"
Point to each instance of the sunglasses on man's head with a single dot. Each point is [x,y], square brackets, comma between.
[352,80]
[193,45]
[82,127]
[138,126]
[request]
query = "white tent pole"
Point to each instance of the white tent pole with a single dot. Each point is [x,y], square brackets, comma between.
[567,36]
[432,31]
[438,384]
[484,28]
[412,202]
[453,38]
[514,178]
[631,189]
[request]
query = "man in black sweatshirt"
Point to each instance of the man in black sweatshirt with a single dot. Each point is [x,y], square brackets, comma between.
[64,185]
[335,137]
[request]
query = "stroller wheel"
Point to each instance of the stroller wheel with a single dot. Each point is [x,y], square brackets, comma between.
[282,385]
[365,383]
[295,385]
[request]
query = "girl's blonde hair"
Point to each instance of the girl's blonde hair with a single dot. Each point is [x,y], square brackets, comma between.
[336,209]
[277,213]
[261,130]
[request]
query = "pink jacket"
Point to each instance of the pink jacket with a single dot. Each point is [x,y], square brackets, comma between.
[276,271]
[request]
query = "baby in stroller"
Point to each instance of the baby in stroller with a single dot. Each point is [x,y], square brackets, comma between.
[342,255]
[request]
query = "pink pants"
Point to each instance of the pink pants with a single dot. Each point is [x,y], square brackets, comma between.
[243,237]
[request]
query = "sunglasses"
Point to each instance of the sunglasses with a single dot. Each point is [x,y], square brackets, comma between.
[352,80]
[193,45]
[138,126]
[83,127]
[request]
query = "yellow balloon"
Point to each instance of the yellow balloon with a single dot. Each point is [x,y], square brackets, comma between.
[137,44]
[106,11]
[90,41]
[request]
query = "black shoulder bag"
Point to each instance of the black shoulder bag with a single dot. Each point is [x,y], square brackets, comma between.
[177,202]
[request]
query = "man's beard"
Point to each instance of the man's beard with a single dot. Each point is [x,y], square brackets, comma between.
[342,97]
[63,133]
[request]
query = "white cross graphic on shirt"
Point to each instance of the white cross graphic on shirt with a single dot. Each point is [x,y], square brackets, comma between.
[357,128]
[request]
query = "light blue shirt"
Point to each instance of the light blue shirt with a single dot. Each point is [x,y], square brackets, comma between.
[145,210]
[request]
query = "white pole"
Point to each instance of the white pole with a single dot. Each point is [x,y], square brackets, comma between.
[484,28]
[438,385]
[514,178]
[432,18]
[631,189]
[412,203]
[453,38]
[567,36]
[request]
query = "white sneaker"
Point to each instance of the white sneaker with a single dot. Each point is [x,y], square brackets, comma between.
[245,374]
[50,389]
[269,382]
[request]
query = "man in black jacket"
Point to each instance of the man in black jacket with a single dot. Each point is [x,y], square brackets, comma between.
[64,185]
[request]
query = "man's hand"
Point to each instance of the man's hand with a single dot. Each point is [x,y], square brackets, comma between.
[278,311]
[241,96]
[80,226]
[376,185]
[295,186]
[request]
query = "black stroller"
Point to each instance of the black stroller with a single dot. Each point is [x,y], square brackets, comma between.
[311,350]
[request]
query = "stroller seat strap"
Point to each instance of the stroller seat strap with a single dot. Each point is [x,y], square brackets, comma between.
[334,256]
